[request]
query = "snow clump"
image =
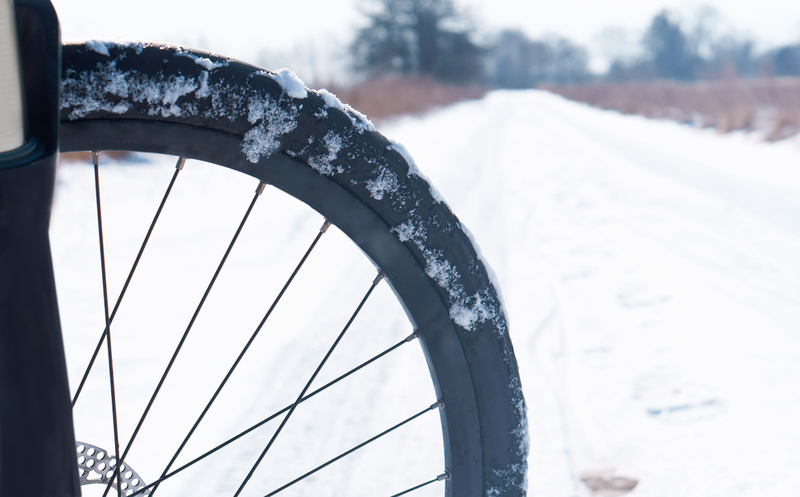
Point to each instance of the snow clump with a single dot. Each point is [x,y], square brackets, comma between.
[203,62]
[385,182]
[413,170]
[359,120]
[291,84]
[323,163]
[102,46]
[465,310]
[273,122]
[97,46]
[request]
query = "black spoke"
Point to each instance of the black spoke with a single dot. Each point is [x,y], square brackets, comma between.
[308,384]
[96,164]
[178,168]
[322,231]
[443,476]
[436,405]
[258,193]
[261,423]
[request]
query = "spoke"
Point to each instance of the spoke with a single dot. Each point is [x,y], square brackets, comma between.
[258,193]
[96,164]
[308,384]
[322,231]
[408,339]
[178,168]
[436,405]
[443,476]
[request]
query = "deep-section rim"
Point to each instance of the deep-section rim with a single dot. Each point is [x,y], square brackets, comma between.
[471,361]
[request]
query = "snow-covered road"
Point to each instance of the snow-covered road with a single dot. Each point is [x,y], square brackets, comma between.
[649,270]
[652,279]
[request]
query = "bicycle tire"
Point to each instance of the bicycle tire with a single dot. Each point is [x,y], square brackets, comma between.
[170,100]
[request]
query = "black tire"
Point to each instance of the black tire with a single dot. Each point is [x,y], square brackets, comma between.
[155,98]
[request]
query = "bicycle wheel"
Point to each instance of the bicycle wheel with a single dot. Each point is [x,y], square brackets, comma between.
[169,100]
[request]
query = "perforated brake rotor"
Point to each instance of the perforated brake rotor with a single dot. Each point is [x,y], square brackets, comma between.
[97,466]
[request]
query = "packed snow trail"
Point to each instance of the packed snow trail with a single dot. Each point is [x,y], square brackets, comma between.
[649,271]
[651,277]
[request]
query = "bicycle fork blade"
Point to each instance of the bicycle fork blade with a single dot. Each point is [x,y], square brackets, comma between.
[36,433]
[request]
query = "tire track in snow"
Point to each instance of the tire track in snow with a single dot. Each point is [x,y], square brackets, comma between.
[671,249]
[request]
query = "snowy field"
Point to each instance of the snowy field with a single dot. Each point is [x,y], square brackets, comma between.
[649,270]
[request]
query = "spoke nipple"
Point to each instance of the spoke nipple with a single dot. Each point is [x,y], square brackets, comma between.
[180,164]
[438,405]
[325,226]
[95,157]
[443,476]
[260,188]
[412,336]
[378,278]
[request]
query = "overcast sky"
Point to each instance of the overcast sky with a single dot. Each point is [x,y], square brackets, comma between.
[245,28]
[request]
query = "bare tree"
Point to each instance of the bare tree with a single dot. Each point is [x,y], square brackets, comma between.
[515,61]
[417,37]
[669,48]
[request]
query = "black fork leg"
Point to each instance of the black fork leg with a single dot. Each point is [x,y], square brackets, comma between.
[37,442]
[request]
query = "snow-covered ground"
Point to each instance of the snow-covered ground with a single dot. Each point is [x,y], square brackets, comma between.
[652,280]
[650,274]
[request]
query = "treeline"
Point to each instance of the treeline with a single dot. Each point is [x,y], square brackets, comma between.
[677,52]
[433,38]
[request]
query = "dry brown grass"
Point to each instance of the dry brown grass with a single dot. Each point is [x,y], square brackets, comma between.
[769,105]
[386,97]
